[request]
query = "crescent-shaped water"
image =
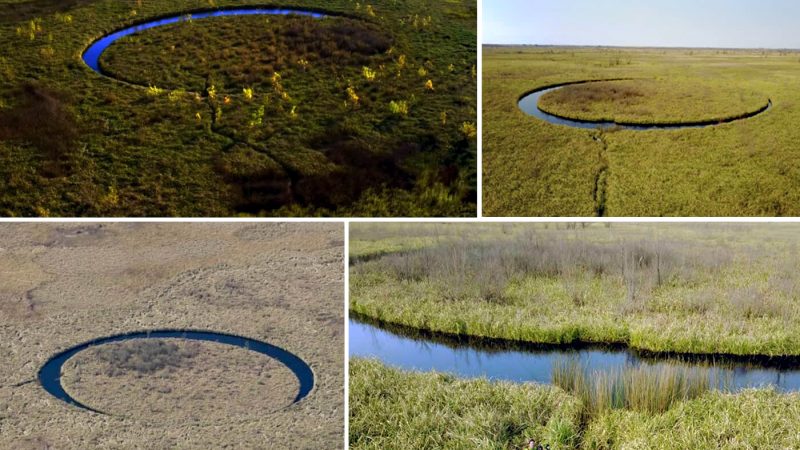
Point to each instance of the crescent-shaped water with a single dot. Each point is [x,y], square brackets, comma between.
[50,374]
[529,103]
[403,348]
[92,54]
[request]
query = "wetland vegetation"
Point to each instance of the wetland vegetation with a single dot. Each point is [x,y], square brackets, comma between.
[647,102]
[708,289]
[368,112]
[742,168]
[689,289]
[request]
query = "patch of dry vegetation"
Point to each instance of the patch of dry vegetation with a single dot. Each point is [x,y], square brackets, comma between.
[654,101]
[689,288]
[279,283]
[169,379]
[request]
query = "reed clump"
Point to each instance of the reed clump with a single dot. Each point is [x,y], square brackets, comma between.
[647,389]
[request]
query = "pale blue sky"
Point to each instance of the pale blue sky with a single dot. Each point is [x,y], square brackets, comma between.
[663,23]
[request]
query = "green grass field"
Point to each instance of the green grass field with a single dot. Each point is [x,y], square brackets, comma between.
[743,168]
[692,288]
[370,112]
[391,409]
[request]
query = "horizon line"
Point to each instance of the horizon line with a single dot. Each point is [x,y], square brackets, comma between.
[665,47]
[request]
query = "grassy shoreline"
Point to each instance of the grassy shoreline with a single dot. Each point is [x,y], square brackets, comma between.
[394,409]
[390,408]
[734,295]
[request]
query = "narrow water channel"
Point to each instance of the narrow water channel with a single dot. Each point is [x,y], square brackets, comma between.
[529,363]
[50,374]
[529,103]
[92,54]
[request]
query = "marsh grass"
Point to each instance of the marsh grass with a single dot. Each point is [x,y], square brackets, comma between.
[752,303]
[292,43]
[654,174]
[646,389]
[752,419]
[162,152]
[393,409]
[464,266]
[652,101]
[682,289]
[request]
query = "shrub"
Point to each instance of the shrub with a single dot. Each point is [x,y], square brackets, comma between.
[399,108]
[368,73]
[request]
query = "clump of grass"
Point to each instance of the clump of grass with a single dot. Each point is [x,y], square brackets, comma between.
[176,95]
[399,108]
[352,97]
[145,357]
[752,419]
[469,130]
[751,302]
[368,73]
[154,91]
[645,389]
[394,409]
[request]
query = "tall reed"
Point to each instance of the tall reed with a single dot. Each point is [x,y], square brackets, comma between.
[640,388]
[470,267]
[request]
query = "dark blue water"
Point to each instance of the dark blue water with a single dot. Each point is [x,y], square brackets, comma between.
[50,373]
[530,105]
[92,55]
[522,363]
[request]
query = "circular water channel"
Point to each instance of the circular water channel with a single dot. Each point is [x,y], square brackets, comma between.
[92,54]
[529,103]
[534,363]
[50,374]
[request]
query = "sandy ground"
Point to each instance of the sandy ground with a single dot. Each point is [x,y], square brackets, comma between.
[61,285]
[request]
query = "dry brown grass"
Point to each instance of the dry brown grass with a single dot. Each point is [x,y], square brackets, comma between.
[169,379]
[580,96]
[280,283]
